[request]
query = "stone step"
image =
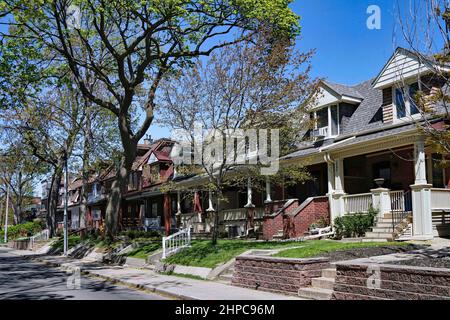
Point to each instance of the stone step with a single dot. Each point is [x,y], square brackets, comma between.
[226,277]
[323,283]
[374,240]
[379,235]
[329,273]
[315,293]
[378,229]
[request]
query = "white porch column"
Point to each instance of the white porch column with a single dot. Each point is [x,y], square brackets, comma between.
[210,207]
[268,192]
[249,194]
[381,201]
[178,203]
[421,196]
[339,193]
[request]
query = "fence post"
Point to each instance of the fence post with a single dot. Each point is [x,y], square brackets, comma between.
[164,247]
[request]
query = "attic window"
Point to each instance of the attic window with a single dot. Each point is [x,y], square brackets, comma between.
[405,106]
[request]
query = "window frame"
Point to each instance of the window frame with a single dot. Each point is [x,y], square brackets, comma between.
[329,120]
[407,100]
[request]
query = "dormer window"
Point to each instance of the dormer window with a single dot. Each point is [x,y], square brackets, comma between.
[405,106]
[326,122]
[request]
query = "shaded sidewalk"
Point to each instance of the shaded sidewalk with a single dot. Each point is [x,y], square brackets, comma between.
[173,286]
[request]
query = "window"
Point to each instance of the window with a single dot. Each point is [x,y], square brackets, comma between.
[326,121]
[405,104]
[400,103]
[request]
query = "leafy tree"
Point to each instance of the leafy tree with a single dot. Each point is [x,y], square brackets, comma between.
[425,28]
[132,44]
[262,84]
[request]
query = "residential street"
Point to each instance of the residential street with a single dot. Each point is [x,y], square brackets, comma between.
[21,278]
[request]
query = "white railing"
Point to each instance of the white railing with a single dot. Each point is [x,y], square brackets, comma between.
[397,200]
[41,236]
[323,131]
[440,199]
[357,202]
[239,214]
[176,242]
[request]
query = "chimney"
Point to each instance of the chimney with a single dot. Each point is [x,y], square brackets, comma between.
[148,140]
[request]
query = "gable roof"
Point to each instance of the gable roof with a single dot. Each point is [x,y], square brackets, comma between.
[401,65]
[343,90]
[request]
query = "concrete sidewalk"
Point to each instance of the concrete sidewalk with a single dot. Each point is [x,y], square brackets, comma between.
[173,286]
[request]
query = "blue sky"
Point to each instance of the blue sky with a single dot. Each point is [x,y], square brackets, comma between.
[347,51]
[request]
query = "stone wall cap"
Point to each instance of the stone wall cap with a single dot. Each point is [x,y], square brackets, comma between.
[282,259]
[385,266]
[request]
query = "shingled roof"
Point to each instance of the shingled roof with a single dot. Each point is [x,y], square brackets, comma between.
[343,90]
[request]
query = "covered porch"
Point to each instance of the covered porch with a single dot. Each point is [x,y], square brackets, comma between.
[401,178]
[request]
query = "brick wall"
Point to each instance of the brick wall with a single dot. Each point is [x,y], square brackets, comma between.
[280,275]
[296,225]
[397,283]
[274,223]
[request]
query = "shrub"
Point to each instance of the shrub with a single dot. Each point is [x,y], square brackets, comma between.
[354,225]
[23,230]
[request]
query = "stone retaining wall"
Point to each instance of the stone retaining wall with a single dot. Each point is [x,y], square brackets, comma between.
[24,244]
[396,282]
[280,275]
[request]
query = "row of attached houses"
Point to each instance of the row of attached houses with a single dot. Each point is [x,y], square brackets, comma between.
[366,150]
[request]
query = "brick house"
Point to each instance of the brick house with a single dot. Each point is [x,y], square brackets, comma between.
[366,150]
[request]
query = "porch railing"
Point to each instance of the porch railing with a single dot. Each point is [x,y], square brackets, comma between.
[357,203]
[440,199]
[401,206]
[176,242]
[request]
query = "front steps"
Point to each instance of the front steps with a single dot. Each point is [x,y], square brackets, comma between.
[321,288]
[227,276]
[383,230]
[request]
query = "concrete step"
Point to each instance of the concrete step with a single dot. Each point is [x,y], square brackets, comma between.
[323,283]
[378,229]
[374,240]
[226,277]
[379,235]
[329,273]
[315,293]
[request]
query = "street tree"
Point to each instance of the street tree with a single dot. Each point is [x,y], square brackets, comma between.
[132,44]
[261,84]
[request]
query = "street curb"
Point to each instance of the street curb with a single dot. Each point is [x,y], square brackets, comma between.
[126,283]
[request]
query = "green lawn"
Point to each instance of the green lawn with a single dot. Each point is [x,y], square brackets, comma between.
[204,254]
[144,251]
[316,247]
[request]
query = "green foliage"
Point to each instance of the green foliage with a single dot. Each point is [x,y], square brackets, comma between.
[72,242]
[27,229]
[354,225]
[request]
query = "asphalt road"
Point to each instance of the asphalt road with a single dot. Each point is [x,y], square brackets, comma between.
[22,278]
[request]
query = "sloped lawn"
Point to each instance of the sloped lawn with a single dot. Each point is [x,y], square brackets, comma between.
[204,254]
[336,250]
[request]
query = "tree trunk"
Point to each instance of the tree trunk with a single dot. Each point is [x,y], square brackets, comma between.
[115,197]
[215,233]
[86,161]
[53,198]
